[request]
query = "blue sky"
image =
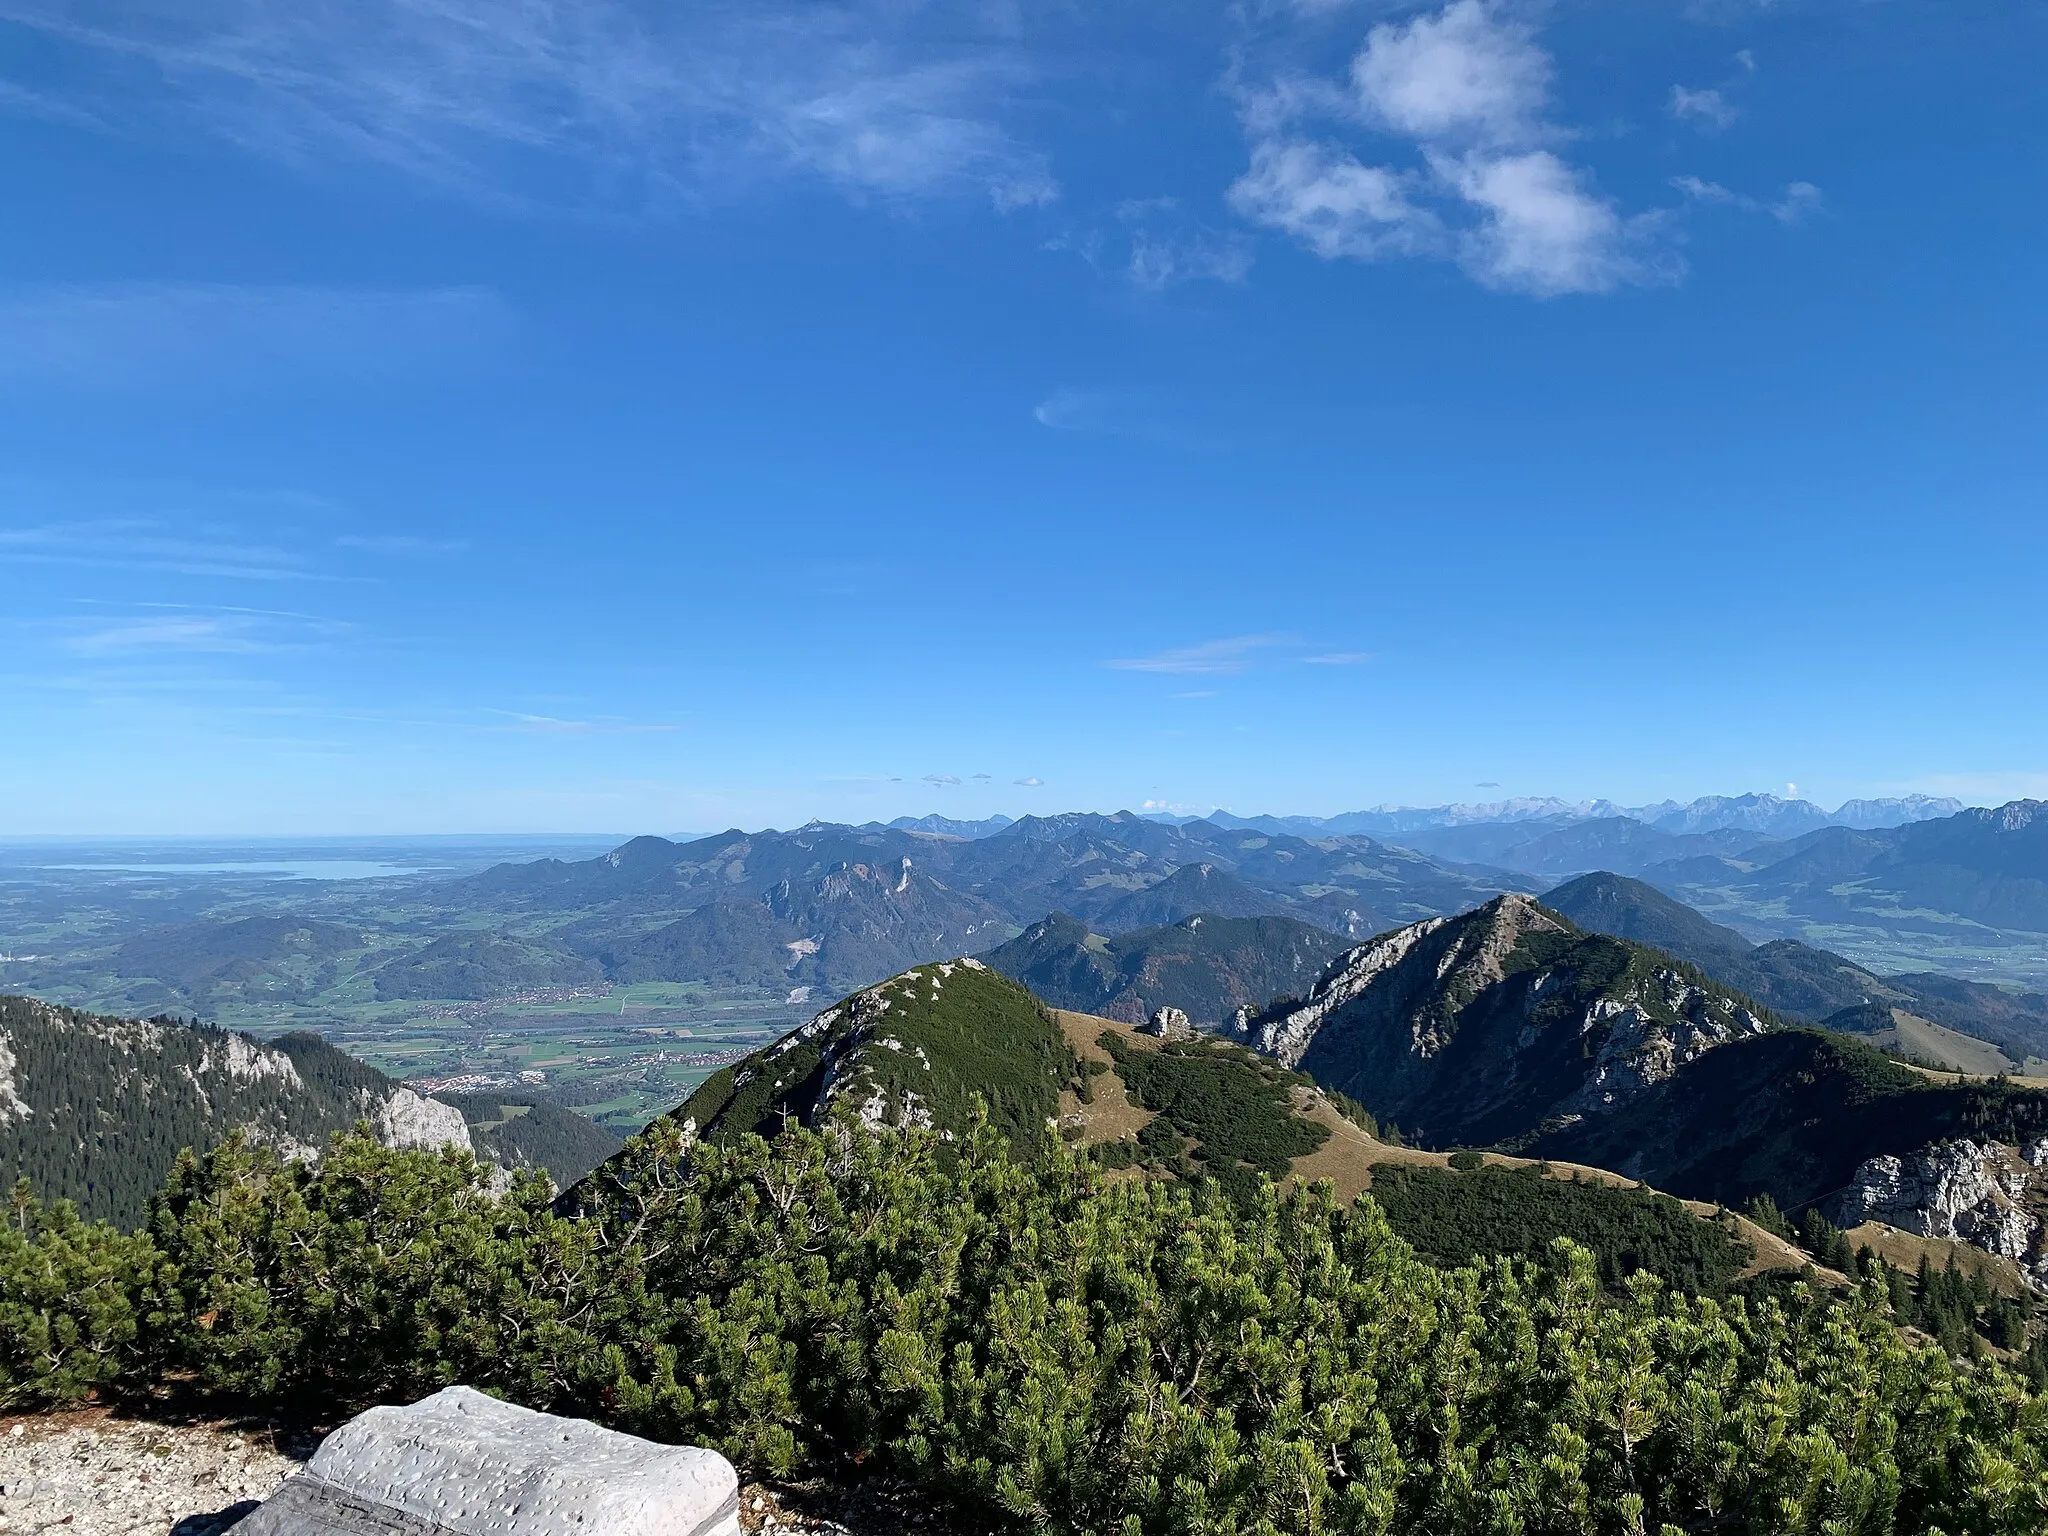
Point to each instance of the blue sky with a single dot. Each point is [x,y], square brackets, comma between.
[434,415]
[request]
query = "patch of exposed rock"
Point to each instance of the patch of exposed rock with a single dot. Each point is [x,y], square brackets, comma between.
[407,1120]
[1650,1035]
[1987,1194]
[1168,1024]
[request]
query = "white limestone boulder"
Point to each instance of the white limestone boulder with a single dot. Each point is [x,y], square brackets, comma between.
[463,1464]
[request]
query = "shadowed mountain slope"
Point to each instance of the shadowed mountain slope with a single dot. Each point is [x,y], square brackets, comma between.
[1206,966]
[1486,1027]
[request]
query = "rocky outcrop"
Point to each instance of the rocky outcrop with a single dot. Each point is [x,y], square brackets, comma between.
[1287,1035]
[463,1464]
[406,1120]
[1168,1024]
[1987,1194]
[1645,1038]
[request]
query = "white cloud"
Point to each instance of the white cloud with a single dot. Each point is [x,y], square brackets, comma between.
[1543,233]
[1032,781]
[553,725]
[1132,413]
[164,634]
[1339,659]
[1226,656]
[1801,199]
[154,629]
[942,780]
[1160,261]
[1335,206]
[1469,71]
[600,96]
[1466,87]
[1704,106]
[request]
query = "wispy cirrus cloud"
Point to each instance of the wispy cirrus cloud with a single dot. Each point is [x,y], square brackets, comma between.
[555,725]
[401,544]
[122,336]
[1225,657]
[1465,88]
[1707,106]
[151,630]
[568,100]
[1234,655]
[154,544]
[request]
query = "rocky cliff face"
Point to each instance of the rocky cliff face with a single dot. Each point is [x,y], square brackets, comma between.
[1984,1193]
[1497,1024]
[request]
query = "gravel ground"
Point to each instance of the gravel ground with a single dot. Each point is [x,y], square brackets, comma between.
[92,1474]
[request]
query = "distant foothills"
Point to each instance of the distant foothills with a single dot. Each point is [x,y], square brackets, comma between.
[1902,887]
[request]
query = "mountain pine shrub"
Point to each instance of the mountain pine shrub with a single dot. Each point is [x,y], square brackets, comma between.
[1051,1350]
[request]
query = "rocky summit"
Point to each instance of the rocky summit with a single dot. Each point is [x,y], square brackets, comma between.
[1495,1025]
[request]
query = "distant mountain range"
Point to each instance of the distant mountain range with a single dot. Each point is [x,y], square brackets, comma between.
[1797,980]
[1976,870]
[1765,815]
[835,906]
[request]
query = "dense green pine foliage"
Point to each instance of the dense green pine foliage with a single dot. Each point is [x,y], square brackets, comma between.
[95,1110]
[1456,1216]
[100,1107]
[1047,1350]
[519,1132]
[70,1295]
[1231,1103]
[922,1048]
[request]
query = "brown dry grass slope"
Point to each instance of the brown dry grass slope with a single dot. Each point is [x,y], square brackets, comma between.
[1346,1159]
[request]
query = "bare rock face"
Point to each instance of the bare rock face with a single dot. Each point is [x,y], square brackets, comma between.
[463,1464]
[1639,1048]
[407,1120]
[1988,1195]
[1288,1037]
[1168,1024]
